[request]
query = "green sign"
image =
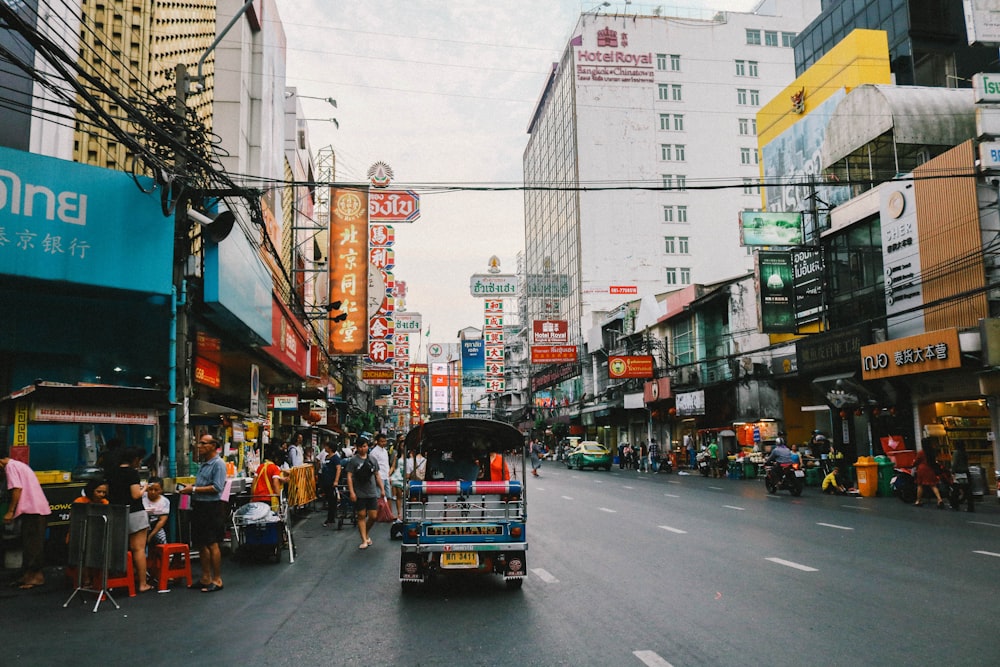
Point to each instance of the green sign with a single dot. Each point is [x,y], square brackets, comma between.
[774,285]
[765,228]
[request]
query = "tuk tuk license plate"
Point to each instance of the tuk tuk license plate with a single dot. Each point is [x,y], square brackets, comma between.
[459,559]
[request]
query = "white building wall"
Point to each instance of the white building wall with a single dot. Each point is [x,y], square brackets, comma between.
[621,232]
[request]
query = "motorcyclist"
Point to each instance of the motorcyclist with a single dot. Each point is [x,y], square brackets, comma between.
[780,455]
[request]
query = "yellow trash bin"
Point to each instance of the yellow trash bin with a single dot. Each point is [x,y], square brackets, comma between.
[867,472]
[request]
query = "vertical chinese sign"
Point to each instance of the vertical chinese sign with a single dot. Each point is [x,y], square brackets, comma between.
[381,257]
[349,270]
[493,345]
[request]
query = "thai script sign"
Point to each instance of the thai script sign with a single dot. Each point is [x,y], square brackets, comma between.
[60,413]
[493,285]
[393,206]
[632,366]
[552,354]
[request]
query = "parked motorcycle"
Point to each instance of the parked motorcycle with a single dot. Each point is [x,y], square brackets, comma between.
[787,476]
[704,460]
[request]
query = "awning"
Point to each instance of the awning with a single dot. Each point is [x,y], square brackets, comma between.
[92,395]
[200,408]
[842,389]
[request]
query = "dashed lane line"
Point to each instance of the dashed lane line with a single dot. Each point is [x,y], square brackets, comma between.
[788,563]
[833,525]
[566,497]
[987,553]
[651,659]
[674,530]
[983,523]
[545,576]
[609,511]
[735,507]
[858,507]
[671,495]
[626,486]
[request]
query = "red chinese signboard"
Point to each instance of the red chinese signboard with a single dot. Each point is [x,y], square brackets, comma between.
[349,270]
[620,366]
[552,354]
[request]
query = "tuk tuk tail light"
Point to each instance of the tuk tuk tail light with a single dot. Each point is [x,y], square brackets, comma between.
[515,531]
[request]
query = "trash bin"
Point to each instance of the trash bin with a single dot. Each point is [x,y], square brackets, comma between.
[885,470]
[977,481]
[813,476]
[867,471]
[749,470]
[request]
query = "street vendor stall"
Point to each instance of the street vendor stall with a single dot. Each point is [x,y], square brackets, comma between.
[58,429]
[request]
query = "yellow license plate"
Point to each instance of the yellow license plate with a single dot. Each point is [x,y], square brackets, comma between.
[459,559]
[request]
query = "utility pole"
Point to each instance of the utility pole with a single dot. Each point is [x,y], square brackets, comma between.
[180,385]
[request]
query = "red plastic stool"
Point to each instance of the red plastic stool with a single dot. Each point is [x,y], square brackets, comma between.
[162,568]
[126,580]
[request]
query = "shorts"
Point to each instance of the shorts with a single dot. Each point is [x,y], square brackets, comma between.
[208,525]
[137,522]
[369,504]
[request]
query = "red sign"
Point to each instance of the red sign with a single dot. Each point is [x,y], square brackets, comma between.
[207,373]
[623,289]
[418,369]
[548,332]
[381,235]
[348,258]
[393,206]
[289,341]
[379,351]
[630,366]
[656,390]
[383,258]
[380,327]
[552,354]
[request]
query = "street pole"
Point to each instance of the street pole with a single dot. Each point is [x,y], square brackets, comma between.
[180,387]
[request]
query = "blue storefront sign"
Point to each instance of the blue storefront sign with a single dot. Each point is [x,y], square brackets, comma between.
[70,222]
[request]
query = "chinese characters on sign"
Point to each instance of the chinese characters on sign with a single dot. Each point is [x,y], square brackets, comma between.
[349,270]
[931,351]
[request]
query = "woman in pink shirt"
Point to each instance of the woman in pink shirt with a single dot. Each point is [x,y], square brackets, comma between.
[27,501]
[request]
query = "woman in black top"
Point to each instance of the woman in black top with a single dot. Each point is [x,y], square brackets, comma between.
[124,488]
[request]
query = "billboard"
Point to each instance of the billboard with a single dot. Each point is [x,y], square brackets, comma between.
[549,332]
[807,290]
[552,354]
[473,363]
[765,228]
[631,366]
[775,293]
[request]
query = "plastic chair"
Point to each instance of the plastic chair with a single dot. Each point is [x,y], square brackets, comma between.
[163,568]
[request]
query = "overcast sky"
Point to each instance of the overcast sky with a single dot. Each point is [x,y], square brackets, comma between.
[442,91]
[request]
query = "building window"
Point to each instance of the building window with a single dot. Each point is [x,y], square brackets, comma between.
[753,37]
[755,98]
[682,245]
[752,68]
[750,187]
[665,121]
[748,156]
[741,68]
[663,90]
[741,96]
[678,122]
[745,127]
[787,38]
[675,92]
[675,63]
[681,182]
[666,152]
[668,181]
[669,245]
[770,38]
[685,276]
[671,276]
[661,61]
[679,152]
[668,214]
[682,214]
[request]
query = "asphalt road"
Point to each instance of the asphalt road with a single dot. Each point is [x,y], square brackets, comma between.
[625,569]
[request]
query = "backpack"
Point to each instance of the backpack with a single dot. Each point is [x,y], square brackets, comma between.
[364,472]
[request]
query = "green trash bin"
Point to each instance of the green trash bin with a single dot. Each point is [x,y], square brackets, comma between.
[749,470]
[813,476]
[885,466]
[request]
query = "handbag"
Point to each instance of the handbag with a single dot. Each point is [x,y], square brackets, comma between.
[396,478]
[385,514]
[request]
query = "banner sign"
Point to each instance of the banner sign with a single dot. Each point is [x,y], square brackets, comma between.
[548,332]
[621,366]
[774,287]
[61,413]
[926,352]
[348,256]
[393,206]
[552,354]
[493,285]
[767,228]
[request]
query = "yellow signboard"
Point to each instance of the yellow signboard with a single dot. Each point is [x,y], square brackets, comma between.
[931,351]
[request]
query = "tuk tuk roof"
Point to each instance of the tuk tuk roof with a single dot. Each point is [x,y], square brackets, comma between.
[478,435]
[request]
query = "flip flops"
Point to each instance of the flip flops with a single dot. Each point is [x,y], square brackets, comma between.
[211,588]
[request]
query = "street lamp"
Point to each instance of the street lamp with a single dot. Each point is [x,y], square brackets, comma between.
[328,120]
[291,93]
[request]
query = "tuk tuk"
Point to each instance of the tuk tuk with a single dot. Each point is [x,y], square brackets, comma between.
[464,506]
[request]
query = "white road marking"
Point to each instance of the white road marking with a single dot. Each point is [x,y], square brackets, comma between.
[983,523]
[539,488]
[626,486]
[734,507]
[987,553]
[788,563]
[833,525]
[673,481]
[567,498]
[717,488]
[857,507]
[651,659]
[545,576]
[674,530]
[598,481]
[671,495]
[610,511]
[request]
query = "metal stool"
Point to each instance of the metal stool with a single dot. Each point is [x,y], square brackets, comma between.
[163,570]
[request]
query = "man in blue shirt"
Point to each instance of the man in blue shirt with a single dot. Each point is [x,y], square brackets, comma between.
[208,521]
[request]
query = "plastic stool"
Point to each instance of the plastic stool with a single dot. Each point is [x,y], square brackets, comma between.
[162,568]
[126,580]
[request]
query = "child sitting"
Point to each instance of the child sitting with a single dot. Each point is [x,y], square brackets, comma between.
[833,483]
[158,508]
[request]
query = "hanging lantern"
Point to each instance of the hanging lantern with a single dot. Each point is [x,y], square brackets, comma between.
[673,412]
[843,414]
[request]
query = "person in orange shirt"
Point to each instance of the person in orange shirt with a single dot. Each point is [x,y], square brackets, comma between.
[95,492]
[268,481]
[498,468]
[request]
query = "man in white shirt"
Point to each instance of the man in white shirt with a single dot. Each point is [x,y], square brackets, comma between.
[295,452]
[381,456]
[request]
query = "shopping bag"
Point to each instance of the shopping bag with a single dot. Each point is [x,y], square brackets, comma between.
[385,514]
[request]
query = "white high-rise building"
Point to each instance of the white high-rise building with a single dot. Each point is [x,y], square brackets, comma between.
[642,153]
